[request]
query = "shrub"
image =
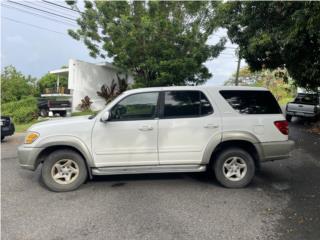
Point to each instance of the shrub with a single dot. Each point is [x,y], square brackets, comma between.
[108,93]
[85,104]
[15,86]
[111,92]
[22,111]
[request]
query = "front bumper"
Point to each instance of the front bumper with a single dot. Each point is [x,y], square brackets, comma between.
[275,150]
[28,157]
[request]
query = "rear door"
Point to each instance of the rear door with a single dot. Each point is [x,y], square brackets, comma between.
[187,123]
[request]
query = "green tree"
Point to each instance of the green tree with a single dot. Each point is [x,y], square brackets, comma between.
[50,81]
[15,86]
[277,34]
[246,77]
[161,43]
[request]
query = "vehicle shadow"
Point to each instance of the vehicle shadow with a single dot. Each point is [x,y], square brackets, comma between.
[121,180]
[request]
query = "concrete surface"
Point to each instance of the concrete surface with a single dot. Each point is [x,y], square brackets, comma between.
[283,202]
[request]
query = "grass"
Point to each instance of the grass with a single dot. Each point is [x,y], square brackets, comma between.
[22,127]
[88,112]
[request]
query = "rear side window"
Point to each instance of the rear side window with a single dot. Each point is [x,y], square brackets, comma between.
[252,102]
[179,104]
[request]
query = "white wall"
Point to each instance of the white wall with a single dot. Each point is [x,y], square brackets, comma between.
[85,79]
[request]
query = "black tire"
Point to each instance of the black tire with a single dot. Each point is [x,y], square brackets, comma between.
[2,137]
[63,114]
[58,156]
[225,156]
[288,118]
[43,112]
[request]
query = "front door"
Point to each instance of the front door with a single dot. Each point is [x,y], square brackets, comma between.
[187,123]
[130,136]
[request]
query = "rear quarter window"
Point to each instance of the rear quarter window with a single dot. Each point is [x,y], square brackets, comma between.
[251,101]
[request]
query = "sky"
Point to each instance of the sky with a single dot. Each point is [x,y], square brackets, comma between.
[36,45]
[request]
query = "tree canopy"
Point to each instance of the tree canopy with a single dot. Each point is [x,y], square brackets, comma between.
[161,43]
[50,81]
[15,85]
[277,34]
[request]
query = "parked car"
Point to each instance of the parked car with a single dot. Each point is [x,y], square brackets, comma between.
[230,130]
[305,105]
[60,107]
[7,127]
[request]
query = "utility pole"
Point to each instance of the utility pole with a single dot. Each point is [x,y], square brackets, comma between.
[238,69]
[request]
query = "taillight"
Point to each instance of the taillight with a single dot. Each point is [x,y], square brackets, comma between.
[282,126]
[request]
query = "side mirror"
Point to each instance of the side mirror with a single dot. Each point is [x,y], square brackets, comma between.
[105,116]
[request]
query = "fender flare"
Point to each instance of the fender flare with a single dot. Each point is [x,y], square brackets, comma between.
[215,141]
[70,141]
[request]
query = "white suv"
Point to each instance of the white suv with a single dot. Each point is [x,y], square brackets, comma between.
[229,130]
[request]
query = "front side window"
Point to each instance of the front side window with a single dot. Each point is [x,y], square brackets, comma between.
[251,101]
[179,104]
[139,106]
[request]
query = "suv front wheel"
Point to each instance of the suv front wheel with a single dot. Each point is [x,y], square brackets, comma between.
[63,170]
[234,168]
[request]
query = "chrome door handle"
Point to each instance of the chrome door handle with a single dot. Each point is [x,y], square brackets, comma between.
[145,128]
[211,126]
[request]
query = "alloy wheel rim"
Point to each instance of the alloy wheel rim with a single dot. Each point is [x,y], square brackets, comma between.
[65,171]
[234,168]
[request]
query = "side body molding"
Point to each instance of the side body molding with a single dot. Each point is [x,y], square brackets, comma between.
[67,140]
[239,135]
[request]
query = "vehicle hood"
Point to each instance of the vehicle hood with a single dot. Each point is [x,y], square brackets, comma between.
[63,125]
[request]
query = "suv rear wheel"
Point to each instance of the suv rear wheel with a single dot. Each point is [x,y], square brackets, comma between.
[234,168]
[63,170]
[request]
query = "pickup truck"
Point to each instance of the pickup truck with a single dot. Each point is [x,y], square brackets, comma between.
[52,105]
[306,105]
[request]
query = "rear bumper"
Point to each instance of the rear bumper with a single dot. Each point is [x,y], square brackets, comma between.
[28,157]
[302,114]
[275,150]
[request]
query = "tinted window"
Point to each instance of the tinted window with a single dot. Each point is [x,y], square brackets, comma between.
[252,102]
[309,99]
[206,107]
[179,104]
[135,107]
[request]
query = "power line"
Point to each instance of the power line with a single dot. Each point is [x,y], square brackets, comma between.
[35,26]
[35,14]
[43,5]
[42,10]
[61,6]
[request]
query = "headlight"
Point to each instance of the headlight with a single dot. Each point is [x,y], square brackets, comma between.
[31,137]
